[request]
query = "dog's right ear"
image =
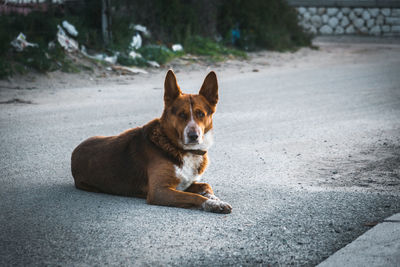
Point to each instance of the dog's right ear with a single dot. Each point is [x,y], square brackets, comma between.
[171,88]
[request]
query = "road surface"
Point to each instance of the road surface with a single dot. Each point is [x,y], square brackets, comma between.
[307,152]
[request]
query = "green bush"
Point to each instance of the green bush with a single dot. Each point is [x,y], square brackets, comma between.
[206,47]
[263,24]
[158,53]
[269,24]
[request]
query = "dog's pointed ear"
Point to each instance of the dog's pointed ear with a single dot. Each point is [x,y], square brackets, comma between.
[171,88]
[209,89]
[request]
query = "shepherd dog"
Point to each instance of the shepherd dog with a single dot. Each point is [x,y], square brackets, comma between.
[161,161]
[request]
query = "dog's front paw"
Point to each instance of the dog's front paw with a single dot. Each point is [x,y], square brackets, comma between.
[211,196]
[216,206]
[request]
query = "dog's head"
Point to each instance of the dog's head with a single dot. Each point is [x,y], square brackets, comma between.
[187,118]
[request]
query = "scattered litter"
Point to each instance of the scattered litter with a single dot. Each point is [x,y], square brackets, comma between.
[70,28]
[153,63]
[136,42]
[51,45]
[109,59]
[177,47]
[141,28]
[102,57]
[66,42]
[134,55]
[128,69]
[20,43]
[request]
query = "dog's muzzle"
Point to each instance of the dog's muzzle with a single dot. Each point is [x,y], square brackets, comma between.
[192,134]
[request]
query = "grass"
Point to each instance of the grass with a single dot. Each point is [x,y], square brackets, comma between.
[206,47]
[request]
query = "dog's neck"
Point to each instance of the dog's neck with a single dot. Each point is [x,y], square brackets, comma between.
[196,152]
[161,140]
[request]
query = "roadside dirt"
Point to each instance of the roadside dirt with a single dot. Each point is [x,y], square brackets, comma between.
[326,53]
[374,169]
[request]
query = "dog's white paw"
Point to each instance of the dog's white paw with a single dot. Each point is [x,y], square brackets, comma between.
[211,196]
[217,206]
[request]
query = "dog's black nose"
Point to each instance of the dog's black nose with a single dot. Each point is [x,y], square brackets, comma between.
[193,136]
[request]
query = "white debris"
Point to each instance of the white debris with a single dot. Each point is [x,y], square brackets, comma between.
[177,47]
[141,28]
[153,64]
[136,42]
[102,57]
[134,55]
[70,28]
[111,59]
[128,69]
[51,45]
[66,42]
[20,43]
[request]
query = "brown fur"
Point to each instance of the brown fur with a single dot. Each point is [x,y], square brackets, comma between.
[141,162]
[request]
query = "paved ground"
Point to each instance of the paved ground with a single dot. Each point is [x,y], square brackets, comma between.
[379,246]
[306,152]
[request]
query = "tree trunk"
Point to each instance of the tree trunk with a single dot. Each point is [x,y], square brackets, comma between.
[106,22]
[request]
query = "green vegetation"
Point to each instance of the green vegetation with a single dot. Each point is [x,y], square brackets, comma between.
[39,31]
[158,53]
[263,24]
[238,25]
[206,47]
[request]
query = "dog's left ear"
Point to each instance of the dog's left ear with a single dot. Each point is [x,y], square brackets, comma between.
[209,89]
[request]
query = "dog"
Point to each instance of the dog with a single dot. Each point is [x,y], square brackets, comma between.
[161,161]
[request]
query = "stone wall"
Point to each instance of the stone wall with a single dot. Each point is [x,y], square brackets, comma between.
[350,20]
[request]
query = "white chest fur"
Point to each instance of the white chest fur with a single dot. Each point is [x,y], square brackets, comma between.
[188,173]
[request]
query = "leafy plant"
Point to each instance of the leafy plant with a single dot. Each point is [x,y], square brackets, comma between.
[206,47]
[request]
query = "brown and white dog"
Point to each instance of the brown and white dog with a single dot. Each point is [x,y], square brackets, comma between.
[161,161]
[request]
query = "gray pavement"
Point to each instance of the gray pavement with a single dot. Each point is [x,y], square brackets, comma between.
[380,246]
[307,154]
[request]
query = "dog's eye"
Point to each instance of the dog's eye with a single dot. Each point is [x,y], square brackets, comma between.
[200,114]
[182,115]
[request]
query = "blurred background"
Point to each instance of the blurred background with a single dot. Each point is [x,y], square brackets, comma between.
[140,32]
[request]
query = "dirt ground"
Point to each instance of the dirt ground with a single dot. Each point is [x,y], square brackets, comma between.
[327,51]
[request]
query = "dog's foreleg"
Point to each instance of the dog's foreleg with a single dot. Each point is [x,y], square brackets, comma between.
[213,203]
[172,197]
[203,189]
[176,198]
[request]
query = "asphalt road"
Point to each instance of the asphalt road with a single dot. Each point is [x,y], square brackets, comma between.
[307,155]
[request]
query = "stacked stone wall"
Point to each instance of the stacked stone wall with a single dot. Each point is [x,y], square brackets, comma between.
[350,20]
